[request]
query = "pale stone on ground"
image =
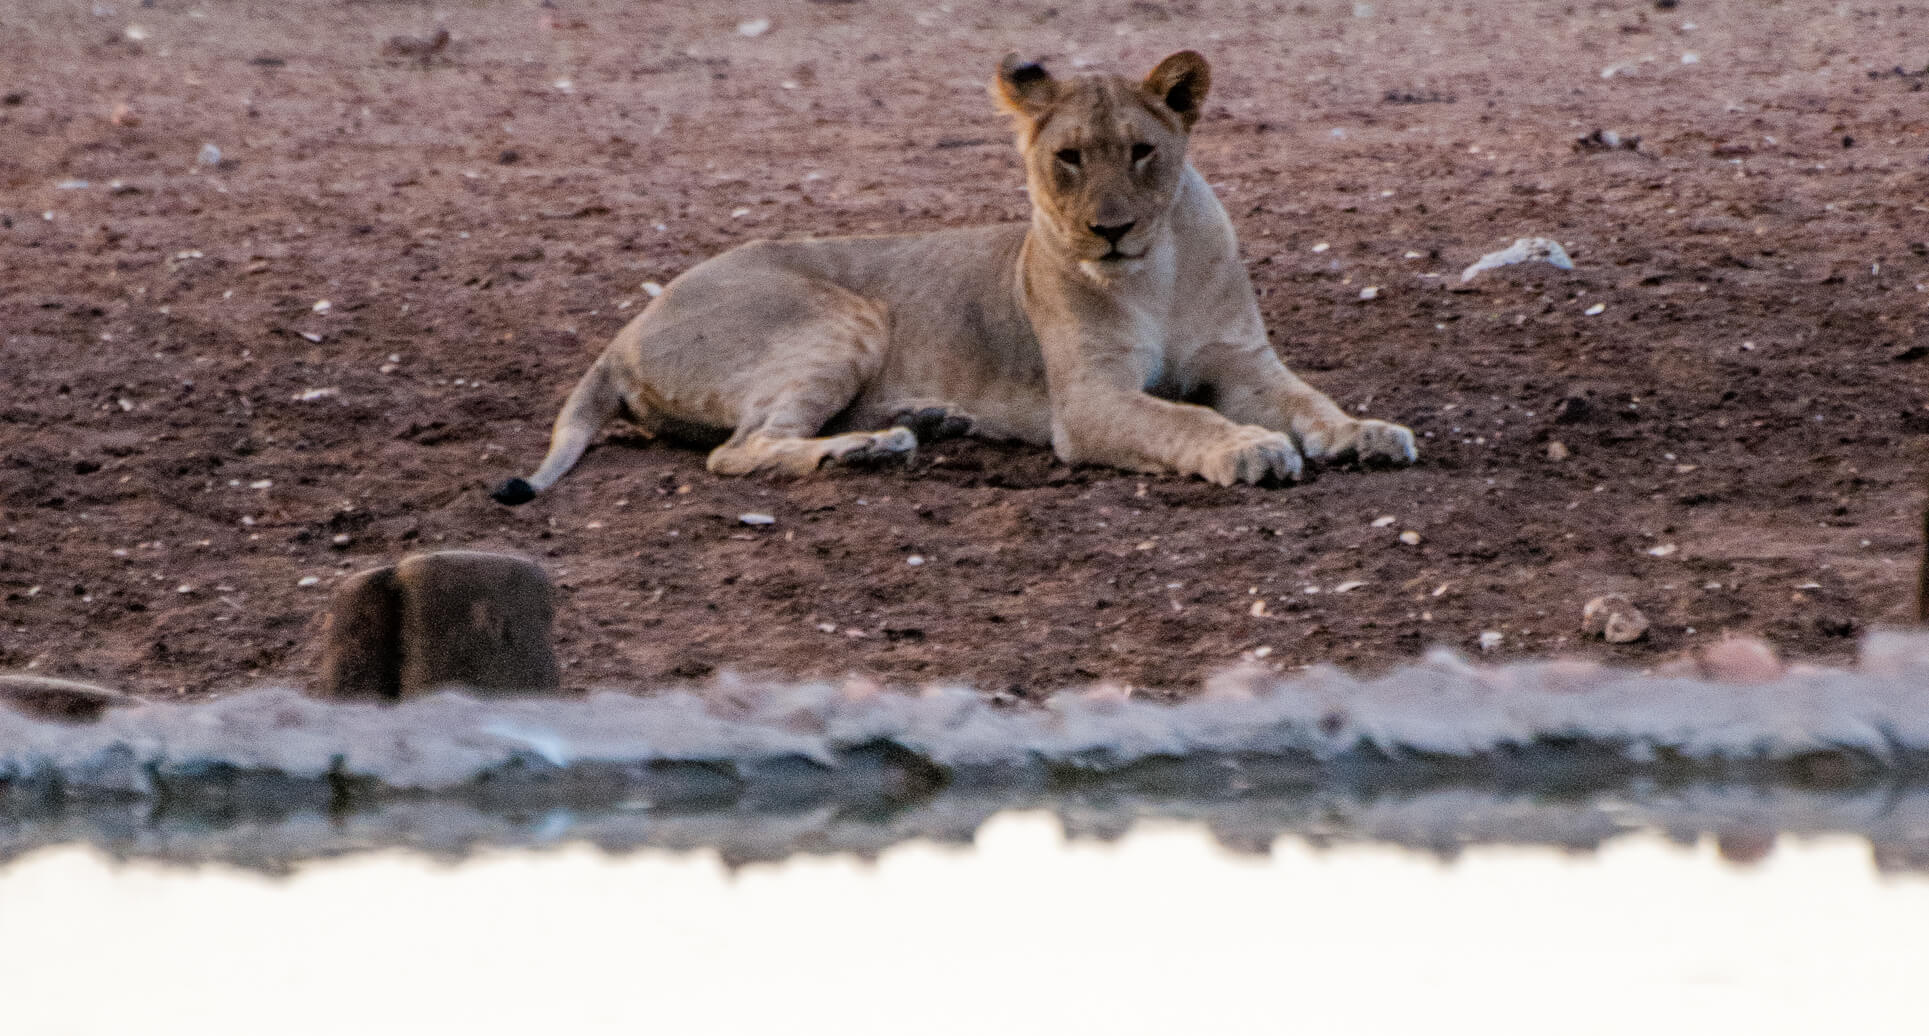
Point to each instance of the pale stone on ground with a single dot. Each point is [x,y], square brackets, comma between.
[1614,618]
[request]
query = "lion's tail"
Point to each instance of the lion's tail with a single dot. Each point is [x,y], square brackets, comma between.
[594,401]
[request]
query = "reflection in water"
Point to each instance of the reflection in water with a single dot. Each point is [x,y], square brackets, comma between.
[1161,931]
[1446,819]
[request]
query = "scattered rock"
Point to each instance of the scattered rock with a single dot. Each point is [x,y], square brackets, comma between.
[1834,624]
[1523,250]
[1417,97]
[1490,641]
[753,27]
[210,155]
[1573,410]
[422,48]
[1557,451]
[756,519]
[124,116]
[1410,538]
[1607,140]
[476,621]
[45,697]
[1615,619]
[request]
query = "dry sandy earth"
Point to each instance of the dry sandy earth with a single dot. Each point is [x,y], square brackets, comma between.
[1754,394]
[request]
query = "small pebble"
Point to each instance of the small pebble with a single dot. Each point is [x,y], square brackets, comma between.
[914,560]
[1557,451]
[210,155]
[754,518]
[307,580]
[1597,309]
[1383,521]
[1369,293]
[1490,641]
[1410,538]
[753,27]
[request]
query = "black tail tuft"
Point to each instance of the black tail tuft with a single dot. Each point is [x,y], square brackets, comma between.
[512,492]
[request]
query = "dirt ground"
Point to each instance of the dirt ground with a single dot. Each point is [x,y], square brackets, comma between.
[187,436]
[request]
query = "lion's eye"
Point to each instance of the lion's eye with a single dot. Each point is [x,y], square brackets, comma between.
[1069,156]
[1141,152]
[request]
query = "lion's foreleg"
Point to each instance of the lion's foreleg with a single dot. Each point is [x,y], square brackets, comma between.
[1251,385]
[1126,428]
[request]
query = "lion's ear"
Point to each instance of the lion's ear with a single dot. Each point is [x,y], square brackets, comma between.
[1180,83]
[1023,87]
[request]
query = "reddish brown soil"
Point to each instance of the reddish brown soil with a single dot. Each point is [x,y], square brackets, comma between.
[1754,393]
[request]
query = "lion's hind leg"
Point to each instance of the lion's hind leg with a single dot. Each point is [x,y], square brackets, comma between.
[813,370]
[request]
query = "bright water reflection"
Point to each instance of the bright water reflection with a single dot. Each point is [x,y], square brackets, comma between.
[1161,932]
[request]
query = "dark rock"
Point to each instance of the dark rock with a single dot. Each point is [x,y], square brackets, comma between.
[466,619]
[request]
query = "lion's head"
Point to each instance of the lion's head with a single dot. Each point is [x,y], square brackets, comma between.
[1104,156]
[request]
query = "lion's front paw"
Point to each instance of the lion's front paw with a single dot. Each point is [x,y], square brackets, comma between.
[868,449]
[1360,440]
[1252,455]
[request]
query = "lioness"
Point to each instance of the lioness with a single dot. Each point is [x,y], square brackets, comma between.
[1094,327]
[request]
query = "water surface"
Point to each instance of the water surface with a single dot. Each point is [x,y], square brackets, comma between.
[1160,931]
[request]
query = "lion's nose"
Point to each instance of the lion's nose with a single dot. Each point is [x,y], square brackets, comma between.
[1114,234]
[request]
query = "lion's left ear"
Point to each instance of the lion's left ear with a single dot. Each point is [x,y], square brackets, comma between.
[1180,83]
[1024,87]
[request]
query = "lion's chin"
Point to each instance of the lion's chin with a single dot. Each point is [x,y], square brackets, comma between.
[1110,266]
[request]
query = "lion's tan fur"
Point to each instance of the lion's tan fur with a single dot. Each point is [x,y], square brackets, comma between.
[1086,328]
